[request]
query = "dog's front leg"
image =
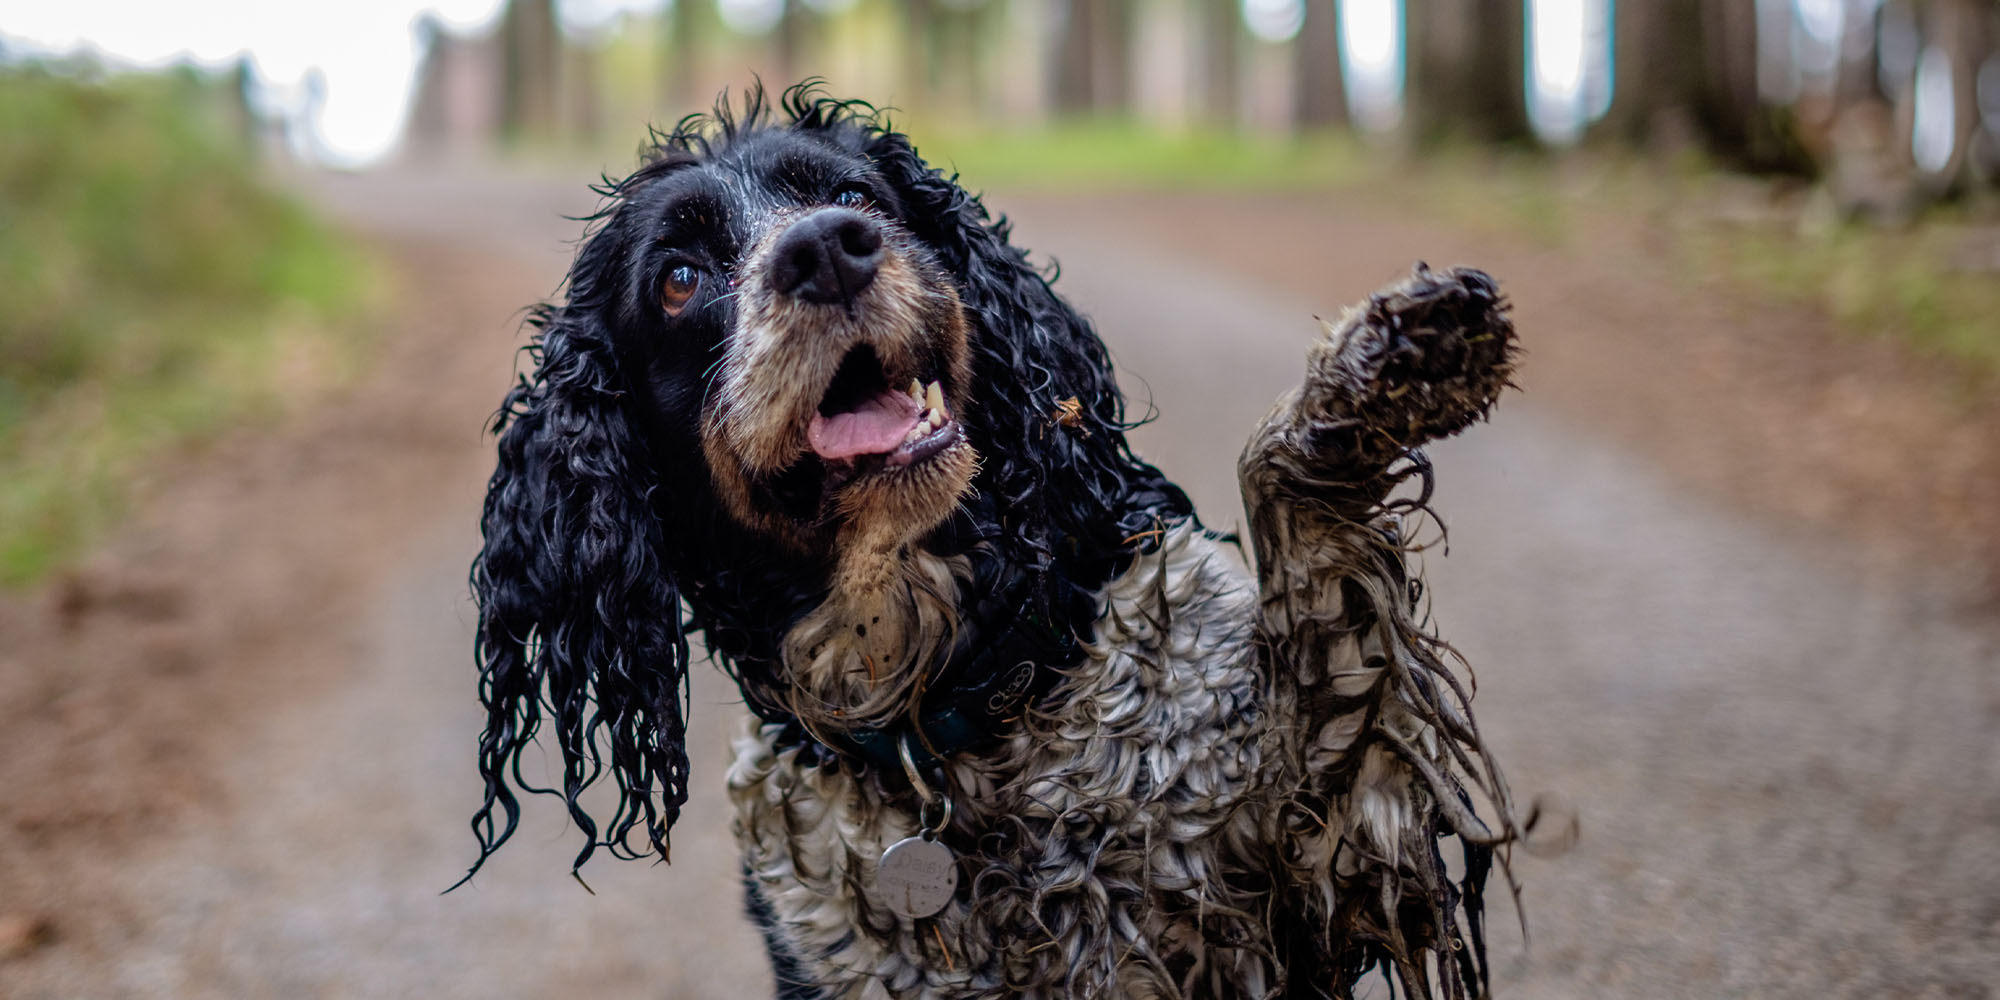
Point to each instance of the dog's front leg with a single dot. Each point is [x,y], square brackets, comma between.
[1375,728]
[1421,359]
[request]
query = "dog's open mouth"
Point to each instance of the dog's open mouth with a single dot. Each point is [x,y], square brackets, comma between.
[834,419]
[864,425]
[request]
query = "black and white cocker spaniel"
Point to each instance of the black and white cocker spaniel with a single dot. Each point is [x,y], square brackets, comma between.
[1022,726]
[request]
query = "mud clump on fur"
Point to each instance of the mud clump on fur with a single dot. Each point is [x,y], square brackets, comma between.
[1420,360]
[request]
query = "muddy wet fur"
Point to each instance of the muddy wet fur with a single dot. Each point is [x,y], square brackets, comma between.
[1420,360]
[1229,788]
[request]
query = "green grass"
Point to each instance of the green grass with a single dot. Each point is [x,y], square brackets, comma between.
[155,291]
[1903,284]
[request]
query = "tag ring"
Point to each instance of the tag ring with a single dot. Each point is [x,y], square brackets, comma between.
[932,802]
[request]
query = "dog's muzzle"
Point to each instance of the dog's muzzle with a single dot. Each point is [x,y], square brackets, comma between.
[842,390]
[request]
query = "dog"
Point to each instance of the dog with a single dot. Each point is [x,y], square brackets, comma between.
[1022,726]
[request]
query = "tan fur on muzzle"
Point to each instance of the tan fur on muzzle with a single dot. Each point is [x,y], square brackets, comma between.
[782,356]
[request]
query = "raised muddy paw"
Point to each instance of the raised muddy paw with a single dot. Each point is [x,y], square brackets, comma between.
[1420,360]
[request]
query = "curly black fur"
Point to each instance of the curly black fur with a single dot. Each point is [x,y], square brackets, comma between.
[606,547]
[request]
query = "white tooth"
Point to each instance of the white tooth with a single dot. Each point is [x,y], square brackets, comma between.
[916,389]
[934,397]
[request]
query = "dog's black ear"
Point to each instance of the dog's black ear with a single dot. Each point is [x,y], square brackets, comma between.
[1058,453]
[580,626]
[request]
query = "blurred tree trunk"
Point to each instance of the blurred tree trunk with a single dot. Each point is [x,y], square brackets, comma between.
[943,67]
[1094,57]
[532,67]
[958,49]
[1466,63]
[677,60]
[583,97]
[797,27]
[243,119]
[1218,27]
[1659,58]
[1730,107]
[1687,70]
[1113,55]
[1320,100]
[1073,92]
[920,46]
[1731,114]
[1855,80]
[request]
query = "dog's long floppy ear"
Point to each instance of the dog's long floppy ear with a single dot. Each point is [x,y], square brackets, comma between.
[580,627]
[1031,348]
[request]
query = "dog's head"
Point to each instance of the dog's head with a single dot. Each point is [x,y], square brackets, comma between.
[785,311]
[791,354]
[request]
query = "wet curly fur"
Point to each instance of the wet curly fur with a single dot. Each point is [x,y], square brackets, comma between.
[1237,787]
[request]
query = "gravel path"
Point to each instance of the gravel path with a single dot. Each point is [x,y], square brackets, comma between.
[1788,772]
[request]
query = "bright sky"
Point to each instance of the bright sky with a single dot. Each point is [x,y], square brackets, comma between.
[365,50]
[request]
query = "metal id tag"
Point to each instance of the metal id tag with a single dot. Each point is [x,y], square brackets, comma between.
[917,877]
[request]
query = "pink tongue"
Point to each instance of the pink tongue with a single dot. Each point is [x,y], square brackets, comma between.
[875,427]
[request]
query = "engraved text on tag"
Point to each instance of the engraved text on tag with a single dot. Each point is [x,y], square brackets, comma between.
[917,877]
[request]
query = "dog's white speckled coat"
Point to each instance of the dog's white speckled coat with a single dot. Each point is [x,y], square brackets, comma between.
[1131,813]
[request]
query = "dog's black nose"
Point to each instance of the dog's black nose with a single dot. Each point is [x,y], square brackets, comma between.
[828,256]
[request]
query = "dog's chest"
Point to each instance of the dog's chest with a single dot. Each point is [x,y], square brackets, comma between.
[1094,846]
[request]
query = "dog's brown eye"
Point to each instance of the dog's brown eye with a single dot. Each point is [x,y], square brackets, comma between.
[679,289]
[851,198]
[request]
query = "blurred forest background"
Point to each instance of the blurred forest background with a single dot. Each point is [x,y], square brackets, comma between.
[1892,102]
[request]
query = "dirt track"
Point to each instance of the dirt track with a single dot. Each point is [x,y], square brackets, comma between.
[1787,763]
